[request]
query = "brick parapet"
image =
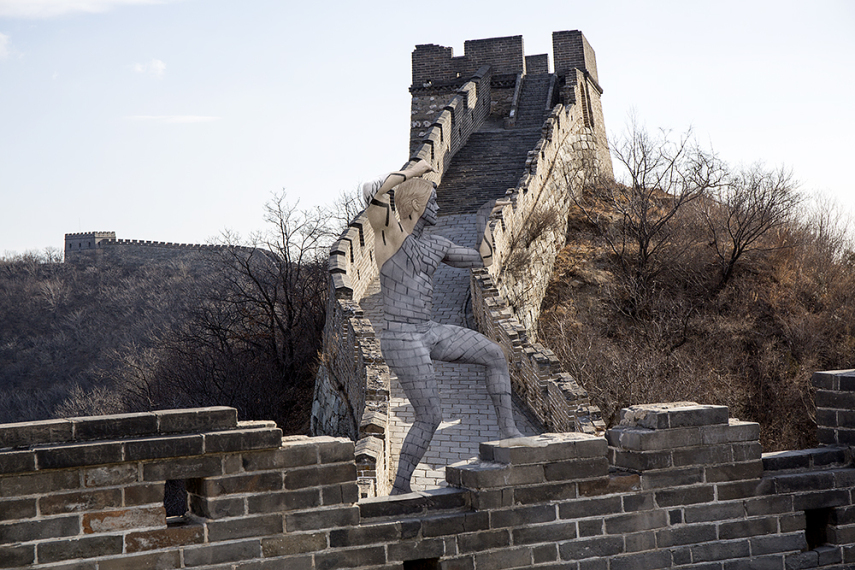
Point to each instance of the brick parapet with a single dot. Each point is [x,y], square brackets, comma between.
[559,499]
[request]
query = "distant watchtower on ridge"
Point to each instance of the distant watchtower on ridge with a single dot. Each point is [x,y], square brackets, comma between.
[84,245]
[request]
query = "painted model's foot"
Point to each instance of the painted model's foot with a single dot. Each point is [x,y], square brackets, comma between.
[510,434]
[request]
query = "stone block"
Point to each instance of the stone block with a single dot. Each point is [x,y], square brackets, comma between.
[576,469]
[561,491]
[334,449]
[413,550]
[43,528]
[454,524]
[589,507]
[162,447]
[714,512]
[477,474]
[636,522]
[329,473]
[114,426]
[363,534]
[748,528]
[720,550]
[37,483]
[683,535]
[640,460]
[641,561]
[210,554]
[658,478]
[285,501]
[76,455]
[810,481]
[123,519]
[78,501]
[492,499]
[640,541]
[638,502]
[487,540]
[750,451]
[143,494]
[242,439]
[17,556]
[294,544]
[217,508]
[545,448]
[505,558]
[196,419]
[820,499]
[734,431]
[88,547]
[840,380]
[591,527]
[26,434]
[172,536]
[183,468]
[330,517]
[703,455]
[154,560]
[521,516]
[597,547]
[110,475]
[835,400]
[744,489]
[673,415]
[17,461]
[17,509]
[685,495]
[778,543]
[244,527]
[634,438]
[733,472]
[254,482]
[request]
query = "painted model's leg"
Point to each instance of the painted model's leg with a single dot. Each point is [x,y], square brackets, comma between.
[458,344]
[410,360]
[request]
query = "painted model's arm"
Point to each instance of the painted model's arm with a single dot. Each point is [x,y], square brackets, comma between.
[376,192]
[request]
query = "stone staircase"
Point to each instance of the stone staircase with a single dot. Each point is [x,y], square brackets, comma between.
[494,158]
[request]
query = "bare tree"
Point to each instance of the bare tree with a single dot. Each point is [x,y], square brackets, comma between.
[636,213]
[752,203]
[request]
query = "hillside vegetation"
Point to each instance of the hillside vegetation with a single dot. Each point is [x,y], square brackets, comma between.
[240,327]
[688,280]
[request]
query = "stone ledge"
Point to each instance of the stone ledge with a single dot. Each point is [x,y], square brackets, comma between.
[94,428]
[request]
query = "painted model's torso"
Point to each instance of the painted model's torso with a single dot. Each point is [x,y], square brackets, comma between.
[406,279]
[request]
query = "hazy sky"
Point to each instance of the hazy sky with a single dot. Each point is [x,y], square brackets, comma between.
[175,120]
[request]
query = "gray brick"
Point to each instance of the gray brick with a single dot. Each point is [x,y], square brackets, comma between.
[641,561]
[744,489]
[506,558]
[25,434]
[656,479]
[747,528]
[196,419]
[591,527]
[209,554]
[454,524]
[589,507]
[367,534]
[689,534]
[164,446]
[820,499]
[16,556]
[350,558]
[242,440]
[638,502]
[522,516]
[77,501]
[17,509]
[44,528]
[244,527]
[17,461]
[640,541]
[642,439]
[416,549]
[603,546]
[217,508]
[769,562]
[544,533]
[184,468]
[684,496]
[154,560]
[321,518]
[545,493]
[714,512]
[721,550]
[36,483]
[255,482]
[75,455]
[635,522]
[294,544]
[286,501]
[640,460]
[486,540]
[89,547]
[733,472]
[110,475]
[114,426]
[778,543]
[576,469]
[310,476]
[143,494]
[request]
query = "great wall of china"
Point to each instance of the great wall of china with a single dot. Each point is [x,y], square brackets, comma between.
[675,485]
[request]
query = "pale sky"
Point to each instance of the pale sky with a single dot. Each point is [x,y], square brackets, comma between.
[173,120]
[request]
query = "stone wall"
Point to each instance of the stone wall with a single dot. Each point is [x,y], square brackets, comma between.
[675,485]
[93,248]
